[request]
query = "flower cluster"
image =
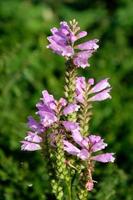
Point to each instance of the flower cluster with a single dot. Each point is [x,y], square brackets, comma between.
[98,92]
[49,112]
[64,123]
[87,145]
[63,40]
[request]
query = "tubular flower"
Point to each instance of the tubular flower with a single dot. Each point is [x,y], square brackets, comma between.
[86,145]
[33,139]
[98,92]
[62,39]
[62,42]
[48,110]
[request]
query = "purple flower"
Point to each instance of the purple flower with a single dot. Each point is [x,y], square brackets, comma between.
[101,95]
[70,148]
[100,91]
[70,109]
[71,126]
[48,100]
[74,128]
[28,146]
[81,35]
[80,87]
[31,142]
[33,137]
[62,43]
[63,102]
[47,115]
[47,109]
[81,58]
[106,157]
[97,143]
[88,145]
[89,45]
[101,85]
[35,126]
[91,81]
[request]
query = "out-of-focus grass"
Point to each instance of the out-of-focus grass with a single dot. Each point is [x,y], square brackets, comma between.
[27,67]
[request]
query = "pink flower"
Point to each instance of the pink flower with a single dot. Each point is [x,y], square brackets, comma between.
[106,157]
[33,137]
[97,143]
[70,148]
[47,109]
[47,115]
[101,85]
[35,126]
[87,48]
[32,142]
[48,100]
[70,108]
[81,58]
[74,128]
[88,146]
[80,87]
[62,43]
[63,102]
[81,35]
[28,146]
[89,45]
[62,39]
[101,95]
[98,92]
[89,185]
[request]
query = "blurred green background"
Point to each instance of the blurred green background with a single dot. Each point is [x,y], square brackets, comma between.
[27,67]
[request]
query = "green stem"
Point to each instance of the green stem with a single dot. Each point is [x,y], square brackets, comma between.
[85,113]
[70,86]
[46,154]
[70,79]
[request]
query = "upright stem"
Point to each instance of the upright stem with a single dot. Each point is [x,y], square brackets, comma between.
[62,172]
[70,86]
[70,79]
[85,113]
[84,118]
[70,93]
[47,157]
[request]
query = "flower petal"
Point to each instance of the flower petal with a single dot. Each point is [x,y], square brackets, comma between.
[81,59]
[89,45]
[70,148]
[29,146]
[70,108]
[33,137]
[96,143]
[34,125]
[83,154]
[101,95]
[103,84]
[81,35]
[106,157]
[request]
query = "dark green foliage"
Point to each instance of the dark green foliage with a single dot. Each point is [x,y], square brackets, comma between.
[27,67]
